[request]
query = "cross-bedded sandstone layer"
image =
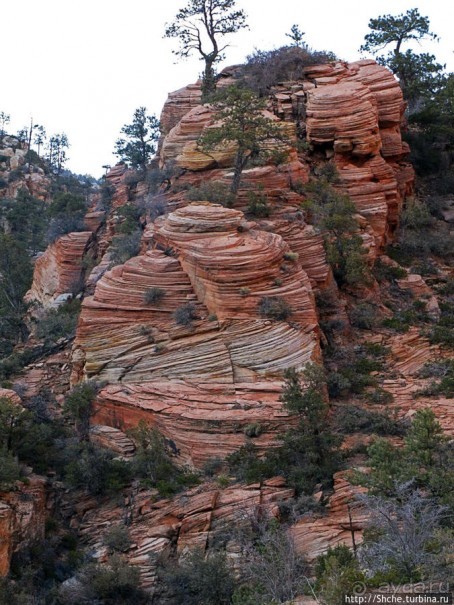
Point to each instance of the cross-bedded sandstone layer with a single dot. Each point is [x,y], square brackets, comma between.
[204,379]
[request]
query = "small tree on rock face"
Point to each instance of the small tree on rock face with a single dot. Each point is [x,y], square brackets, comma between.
[242,122]
[333,212]
[79,407]
[199,27]
[310,450]
[140,140]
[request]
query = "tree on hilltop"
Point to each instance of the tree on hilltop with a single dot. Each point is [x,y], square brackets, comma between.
[296,36]
[239,113]
[56,152]
[4,120]
[199,27]
[419,74]
[139,143]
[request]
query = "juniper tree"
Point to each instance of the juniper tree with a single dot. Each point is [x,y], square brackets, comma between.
[139,143]
[239,114]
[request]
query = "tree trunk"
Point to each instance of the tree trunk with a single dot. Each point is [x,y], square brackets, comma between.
[240,162]
[208,80]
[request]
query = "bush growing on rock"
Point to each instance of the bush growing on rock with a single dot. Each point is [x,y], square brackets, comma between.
[79,407]
[124,247]
[364,316]
[333,212]
[337,573]
[308,453]
[116,582]
[353,419]
[154,296]
[211,191]
[258,204]
[153,462]
[265,69]
[199,579]
[59,323]
[185,315]
[117,538]
[97,470]
[274,307]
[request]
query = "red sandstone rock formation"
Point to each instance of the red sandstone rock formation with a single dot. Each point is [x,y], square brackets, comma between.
[188,521]
[22,518]
[343,523]
[201,383]
[60,268]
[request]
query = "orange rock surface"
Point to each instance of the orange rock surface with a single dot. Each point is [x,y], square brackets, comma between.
[22,518]
[60,268]
[189,521]
[201,383]
[343,523]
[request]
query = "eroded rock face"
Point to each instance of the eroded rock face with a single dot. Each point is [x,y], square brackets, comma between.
[17,174]
[191,520]
[60,269]
[22,518]
[201,381]
[343,524]
[358,111]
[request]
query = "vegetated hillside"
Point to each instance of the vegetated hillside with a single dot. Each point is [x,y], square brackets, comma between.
[236,355]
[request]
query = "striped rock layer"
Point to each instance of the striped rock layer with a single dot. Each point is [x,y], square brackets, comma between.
[202,383]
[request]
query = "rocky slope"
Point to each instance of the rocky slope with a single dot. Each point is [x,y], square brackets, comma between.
[178,334]
[16,173]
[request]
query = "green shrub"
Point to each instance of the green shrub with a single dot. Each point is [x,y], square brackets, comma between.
[185,315]
[124,247]
[97,471]
[258,204]
[79,407]
[117,538]
[199,579]
[59,323]
[129,215]
[352,373]
[376,349]
[153,462]
[253,430]
[133,178]
[380,396]
[10,470]
[274,307]
[337,574]
[244,291]
[213,466]
[444,370]
[291,256]
[265,69]
[352,419]
[443,332]
[382,271]
[364,316]
[308,453]
[154,296]
[116,582]
[211,191]
[333,212]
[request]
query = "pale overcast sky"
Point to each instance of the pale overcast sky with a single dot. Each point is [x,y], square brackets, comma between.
[83,66]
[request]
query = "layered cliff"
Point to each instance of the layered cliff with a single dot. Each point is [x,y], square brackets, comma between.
[193,335]
[201,378]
